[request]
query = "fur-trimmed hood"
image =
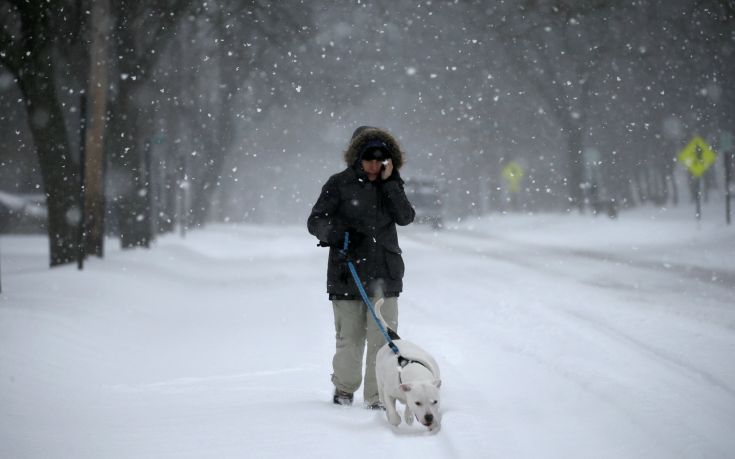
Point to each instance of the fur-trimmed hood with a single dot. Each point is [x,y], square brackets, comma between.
[368,134]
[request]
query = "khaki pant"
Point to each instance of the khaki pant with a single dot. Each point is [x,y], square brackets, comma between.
[354,326]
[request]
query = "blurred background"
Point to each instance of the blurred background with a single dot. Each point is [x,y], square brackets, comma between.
[130,119]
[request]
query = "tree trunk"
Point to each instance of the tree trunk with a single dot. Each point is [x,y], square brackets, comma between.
[31,60]
[60,174]
[94,205]
[131,209]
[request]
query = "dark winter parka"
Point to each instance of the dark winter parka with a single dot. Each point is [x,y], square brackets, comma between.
[370,211]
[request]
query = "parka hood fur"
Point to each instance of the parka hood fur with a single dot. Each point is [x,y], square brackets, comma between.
[352,154]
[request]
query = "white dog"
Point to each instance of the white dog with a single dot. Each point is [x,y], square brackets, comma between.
[412,377]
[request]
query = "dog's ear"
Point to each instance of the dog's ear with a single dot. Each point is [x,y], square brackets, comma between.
[405,387]
[438,383]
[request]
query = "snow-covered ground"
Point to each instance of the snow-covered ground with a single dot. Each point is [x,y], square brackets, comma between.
[559,336]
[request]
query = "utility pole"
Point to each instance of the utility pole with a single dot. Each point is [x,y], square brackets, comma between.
[728,158]
[82,229]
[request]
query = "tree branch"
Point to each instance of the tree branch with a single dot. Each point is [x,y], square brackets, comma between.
[11,51]
[163,33]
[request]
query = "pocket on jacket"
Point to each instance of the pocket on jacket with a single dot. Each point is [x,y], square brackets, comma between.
[394,260]
[337,272]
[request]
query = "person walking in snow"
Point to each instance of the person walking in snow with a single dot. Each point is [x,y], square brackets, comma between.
[366,201]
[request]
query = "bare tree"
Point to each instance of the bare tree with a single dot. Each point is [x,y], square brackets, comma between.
[552,47]
[237,43]
[27,43]
[141,31]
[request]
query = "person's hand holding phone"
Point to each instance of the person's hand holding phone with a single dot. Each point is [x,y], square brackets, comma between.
[386,170]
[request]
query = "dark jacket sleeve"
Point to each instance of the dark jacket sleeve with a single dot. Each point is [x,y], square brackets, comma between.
[322,221]
[398,205]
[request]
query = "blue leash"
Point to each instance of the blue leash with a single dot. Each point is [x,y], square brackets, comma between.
[365,298]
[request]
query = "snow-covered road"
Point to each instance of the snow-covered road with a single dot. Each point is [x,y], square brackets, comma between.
[558,336]
[598,357]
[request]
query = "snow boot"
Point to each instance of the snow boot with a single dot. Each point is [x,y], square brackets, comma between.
[342,397]
[375,406]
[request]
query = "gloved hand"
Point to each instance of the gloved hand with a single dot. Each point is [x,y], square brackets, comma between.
[354,239]
[336,235]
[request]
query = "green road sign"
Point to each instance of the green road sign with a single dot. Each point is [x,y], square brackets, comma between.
[697,156]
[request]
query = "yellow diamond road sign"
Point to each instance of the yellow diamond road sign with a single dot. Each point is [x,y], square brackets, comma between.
[513,173]
[697,156]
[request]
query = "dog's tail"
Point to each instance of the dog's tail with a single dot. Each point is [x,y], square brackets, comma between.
[391,333]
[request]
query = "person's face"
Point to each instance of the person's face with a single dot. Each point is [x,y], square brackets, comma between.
[372,168]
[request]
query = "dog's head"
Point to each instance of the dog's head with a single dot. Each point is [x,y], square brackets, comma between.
[423,399]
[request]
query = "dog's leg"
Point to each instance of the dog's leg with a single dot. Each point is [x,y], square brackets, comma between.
[390,411]
[408,415]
